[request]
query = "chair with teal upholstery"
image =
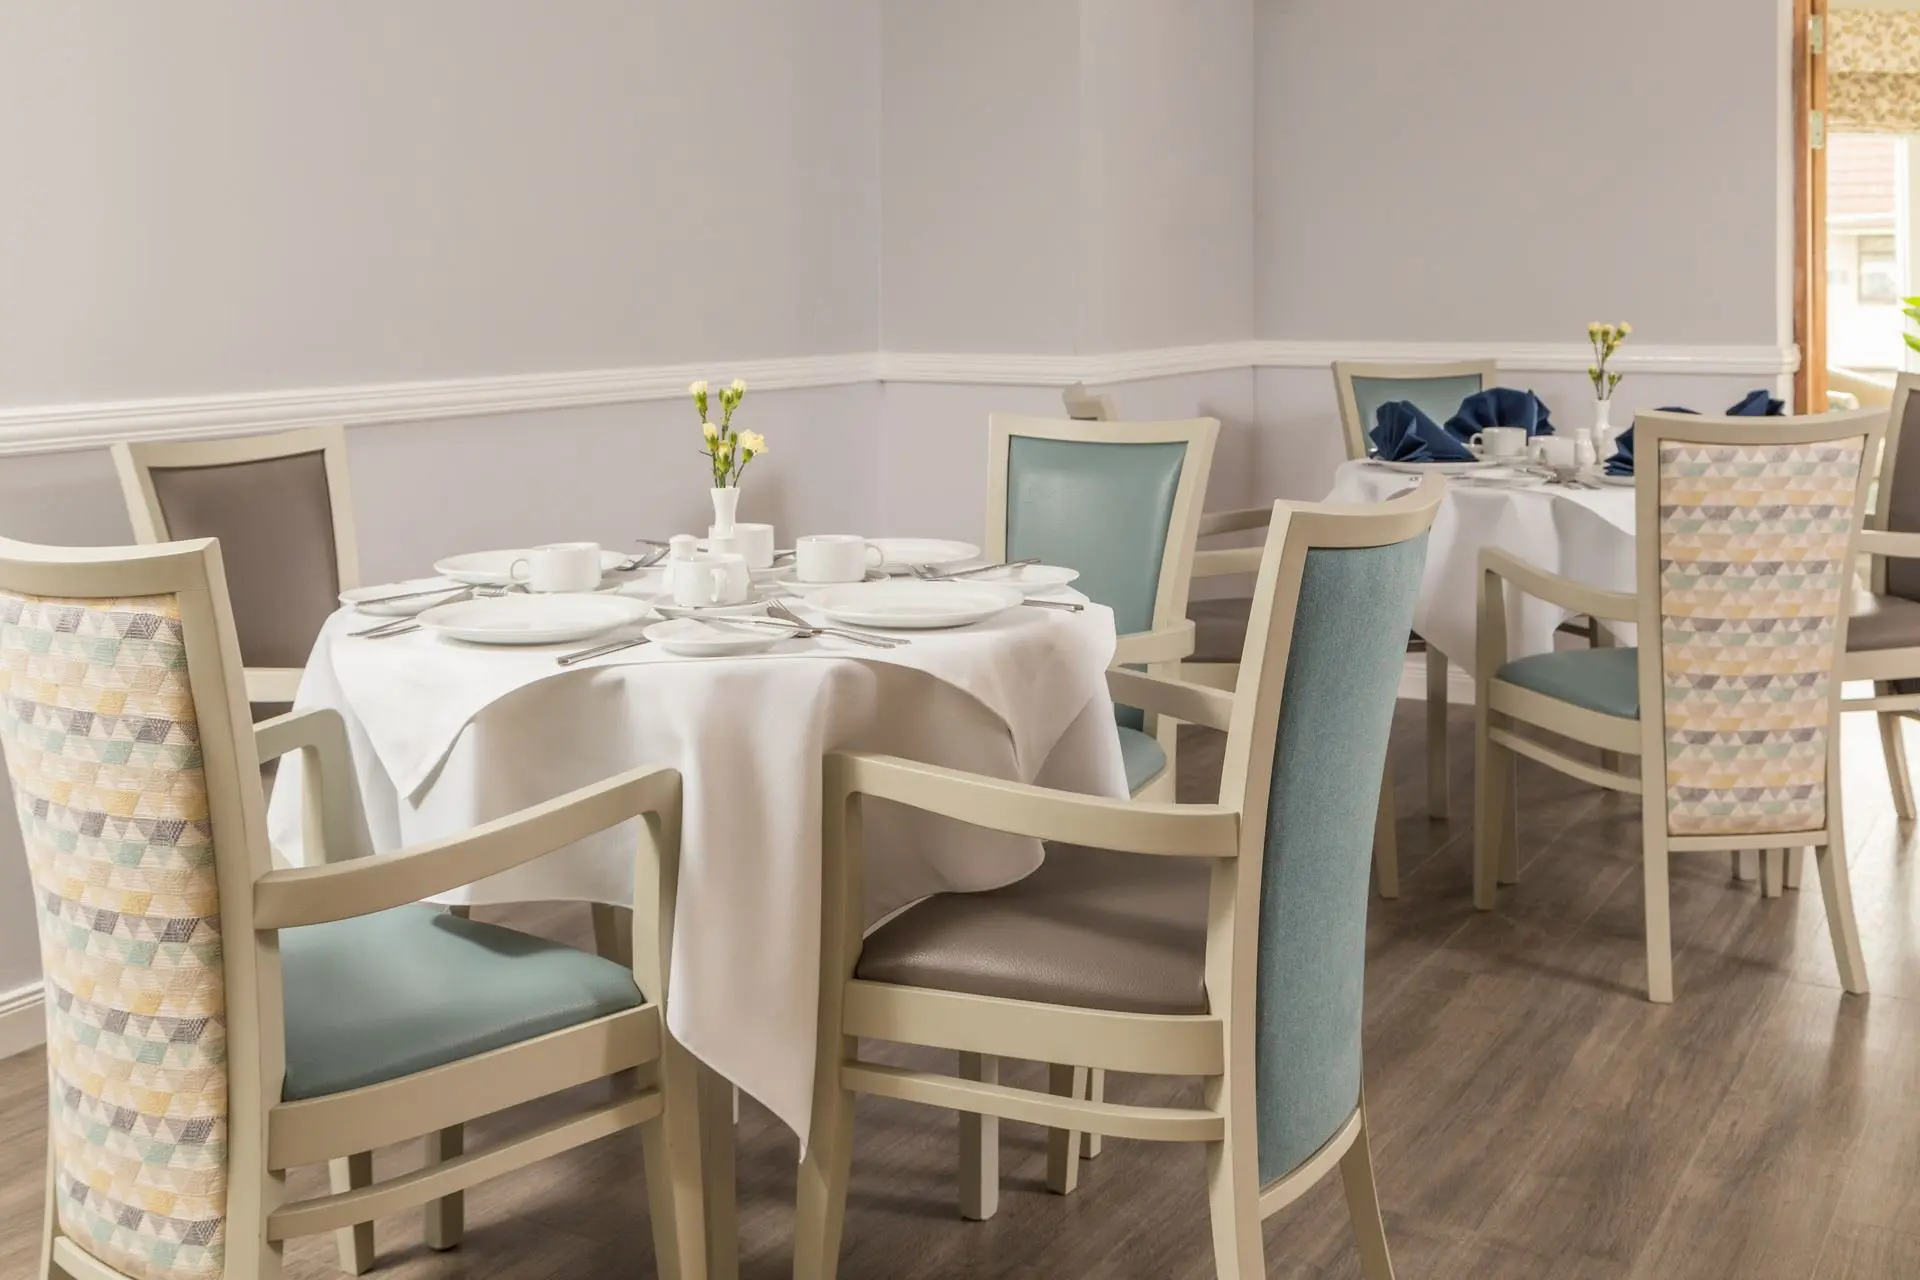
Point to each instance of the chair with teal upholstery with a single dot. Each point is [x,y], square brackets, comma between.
[1745,537]
[1120,502]
[214,1020]
[1225,940]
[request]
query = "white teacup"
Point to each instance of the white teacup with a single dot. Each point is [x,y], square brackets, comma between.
[1500,442]
[710,579]
[1555,451]
[558,566]
[834,557]
[755,542]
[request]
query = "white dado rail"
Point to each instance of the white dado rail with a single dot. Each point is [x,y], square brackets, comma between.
[60,428]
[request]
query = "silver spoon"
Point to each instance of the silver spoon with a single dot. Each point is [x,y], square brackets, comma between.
[599,651]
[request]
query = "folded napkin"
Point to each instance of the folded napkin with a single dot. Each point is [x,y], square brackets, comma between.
[1621,463]
[1758,404]
[1500,407]
[1402,433]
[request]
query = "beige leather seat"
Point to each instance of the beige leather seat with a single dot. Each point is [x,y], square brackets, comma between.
[1883,622]
[1125,932]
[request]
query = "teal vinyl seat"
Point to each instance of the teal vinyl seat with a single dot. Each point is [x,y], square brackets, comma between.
[385,995]
[1602,680]
[1145,759]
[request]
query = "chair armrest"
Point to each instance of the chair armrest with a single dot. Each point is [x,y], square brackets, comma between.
[273,684]
[1220,563]
[330,811]
[1192,703]
[1892,546]
[1163,644]
[314,895]
[1181,830]
[1215,523]
[1610,606]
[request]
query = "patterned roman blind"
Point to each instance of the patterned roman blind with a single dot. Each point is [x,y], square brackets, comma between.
[1873,71]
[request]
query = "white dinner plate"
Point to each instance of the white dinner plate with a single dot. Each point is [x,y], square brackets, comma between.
[379,602]
[1438,468]
[526,619]
[1031,579]
[787,582]
[1505,480]
[904,555]
[713,638]
[493,568]
[1618,482]
[912,605]
[748,608]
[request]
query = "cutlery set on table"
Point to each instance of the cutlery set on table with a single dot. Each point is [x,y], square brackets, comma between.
[723,596]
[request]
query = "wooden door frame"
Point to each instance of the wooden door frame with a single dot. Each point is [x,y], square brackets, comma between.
[1810,210]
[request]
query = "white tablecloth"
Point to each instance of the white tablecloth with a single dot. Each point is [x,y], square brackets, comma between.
[446,736]
[1582,534]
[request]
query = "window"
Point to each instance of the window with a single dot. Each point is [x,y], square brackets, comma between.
[1879,269]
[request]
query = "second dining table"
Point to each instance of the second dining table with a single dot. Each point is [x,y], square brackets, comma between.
[445,736]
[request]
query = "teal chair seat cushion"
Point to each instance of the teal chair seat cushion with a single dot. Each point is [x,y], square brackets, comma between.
[1603,680]
[1144,757]
[385,995]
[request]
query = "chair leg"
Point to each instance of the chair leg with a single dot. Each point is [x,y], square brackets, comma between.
[1836,887]
[979,1146]
[1746,865]
[445,1218]
[460,910]
[1063,1145]
[1796,866]
[1386,840]
[1894,748]
[1233,1206]
[250,1255]
[1659,921]
[613,933]
[1436,733]
[1096,1092]
[821,1203]
[675,1191]
[1492,808]
[1363,1205]
[355,1243]
[719,1101]
[1773,872]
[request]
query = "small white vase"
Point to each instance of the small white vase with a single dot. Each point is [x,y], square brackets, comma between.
[726,503]
[1601,408]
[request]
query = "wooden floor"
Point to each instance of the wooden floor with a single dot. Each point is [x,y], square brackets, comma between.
[1534,1117]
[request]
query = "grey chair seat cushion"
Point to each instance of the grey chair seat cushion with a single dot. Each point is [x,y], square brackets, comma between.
[1603,680]
[1090,929]
[1219,628]
[1144,758]
[385,995]
[1883,622]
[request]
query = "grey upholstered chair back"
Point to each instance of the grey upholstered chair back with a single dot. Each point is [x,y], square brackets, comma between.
[1900,496]
[1343,673]
[274,519]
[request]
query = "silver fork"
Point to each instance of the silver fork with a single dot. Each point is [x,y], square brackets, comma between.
[400,626]
[778,610]
[927,573]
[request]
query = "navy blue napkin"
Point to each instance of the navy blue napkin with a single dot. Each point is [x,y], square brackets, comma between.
[1500,407]
[1758,404]
[1402,433]
[1621,463]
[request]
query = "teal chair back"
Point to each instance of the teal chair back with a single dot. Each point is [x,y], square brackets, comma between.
[1436,390]
[1345,646]
[1118,501]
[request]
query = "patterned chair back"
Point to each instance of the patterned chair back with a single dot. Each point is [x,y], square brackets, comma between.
[1325,660]
[1435,389]
[1746,533]
[103,745]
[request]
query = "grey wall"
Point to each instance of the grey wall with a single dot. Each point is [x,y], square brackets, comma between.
[1488,171]
[214,195]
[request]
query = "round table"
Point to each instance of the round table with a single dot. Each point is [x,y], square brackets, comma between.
[446,736]
[1583,534]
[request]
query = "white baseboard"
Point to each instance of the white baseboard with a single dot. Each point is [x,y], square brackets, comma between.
[1413,681]
[23,1019]
[26,429]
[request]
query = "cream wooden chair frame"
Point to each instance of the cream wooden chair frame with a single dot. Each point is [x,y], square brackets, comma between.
[1504,711]
[1170,639]
[1218,1045]
[1354,431]
[1887,665]
[653,1078]
[136,463]
[1088,406]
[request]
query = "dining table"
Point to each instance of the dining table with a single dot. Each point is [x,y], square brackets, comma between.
[445,735]
[1584,532]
